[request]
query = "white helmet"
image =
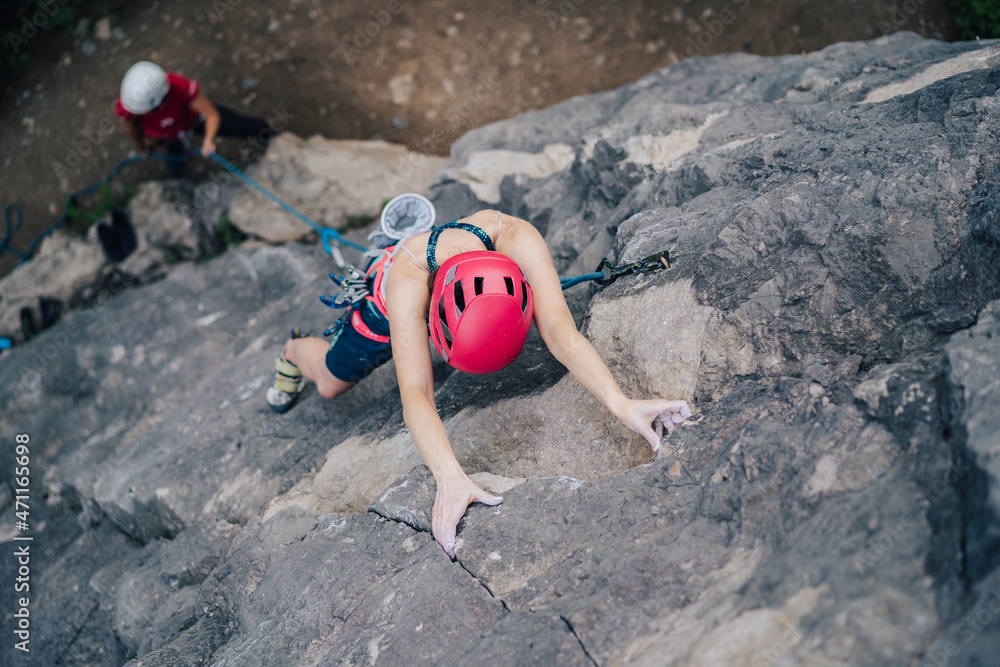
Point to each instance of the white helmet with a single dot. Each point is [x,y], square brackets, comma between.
[143,87]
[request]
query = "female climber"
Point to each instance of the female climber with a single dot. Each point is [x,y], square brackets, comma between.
[477,284]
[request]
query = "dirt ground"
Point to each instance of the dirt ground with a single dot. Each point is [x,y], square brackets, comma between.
[419,72]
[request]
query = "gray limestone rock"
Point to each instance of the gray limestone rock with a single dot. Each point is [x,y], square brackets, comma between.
[831,309]
[331,181]
[172,224]
[163,594]
[63,267]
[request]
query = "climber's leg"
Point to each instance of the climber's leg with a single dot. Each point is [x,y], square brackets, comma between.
[310,355]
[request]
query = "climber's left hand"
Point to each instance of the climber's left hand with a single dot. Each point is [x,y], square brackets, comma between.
[650,418]
[207,147]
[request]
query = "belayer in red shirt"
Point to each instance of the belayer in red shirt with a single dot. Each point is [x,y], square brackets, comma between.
[162,110]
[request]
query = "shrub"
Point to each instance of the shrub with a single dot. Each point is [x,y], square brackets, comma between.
[977,18]
[82,218]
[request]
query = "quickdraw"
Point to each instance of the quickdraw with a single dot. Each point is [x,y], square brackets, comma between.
[355,286]
[654,262]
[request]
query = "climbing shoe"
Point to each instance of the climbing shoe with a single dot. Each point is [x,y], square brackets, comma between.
[287,382]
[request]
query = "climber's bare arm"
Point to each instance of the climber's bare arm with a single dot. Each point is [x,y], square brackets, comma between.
[407,301]
[133,127]
[522,242]
[204,106]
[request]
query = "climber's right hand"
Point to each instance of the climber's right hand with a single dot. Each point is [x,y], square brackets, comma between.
[455,492]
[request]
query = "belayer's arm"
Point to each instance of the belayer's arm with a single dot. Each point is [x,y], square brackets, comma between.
[133,127]
[204,106]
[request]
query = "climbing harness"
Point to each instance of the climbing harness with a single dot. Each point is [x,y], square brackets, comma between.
[356,287]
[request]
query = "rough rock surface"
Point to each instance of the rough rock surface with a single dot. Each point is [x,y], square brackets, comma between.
[832,309]
[330,181]
[169,224]
[76,262]
[71,270]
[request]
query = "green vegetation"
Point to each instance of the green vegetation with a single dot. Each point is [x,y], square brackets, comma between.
[171,256]
[81,219]
[977,18]
[229,233]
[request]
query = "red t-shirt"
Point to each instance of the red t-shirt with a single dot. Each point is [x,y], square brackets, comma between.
[173,116]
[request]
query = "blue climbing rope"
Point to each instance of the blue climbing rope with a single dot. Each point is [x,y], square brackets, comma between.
[11,228]
[11,211]
[326,235]
[330,238]
[14,217]
[587,277]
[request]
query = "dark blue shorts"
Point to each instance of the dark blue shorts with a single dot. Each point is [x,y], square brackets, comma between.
[352,356]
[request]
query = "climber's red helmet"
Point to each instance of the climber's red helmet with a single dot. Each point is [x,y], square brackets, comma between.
[480,311]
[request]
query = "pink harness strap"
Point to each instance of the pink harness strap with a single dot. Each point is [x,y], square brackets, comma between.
[362,328]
